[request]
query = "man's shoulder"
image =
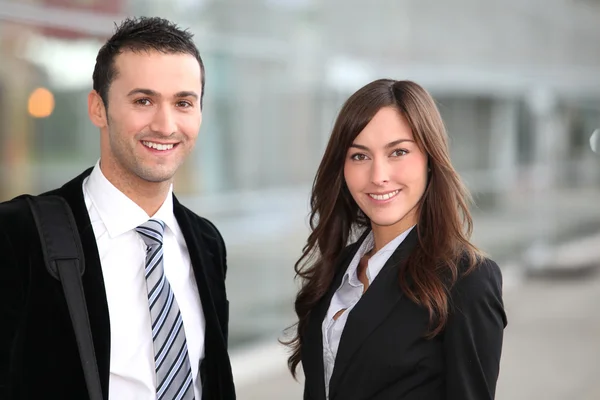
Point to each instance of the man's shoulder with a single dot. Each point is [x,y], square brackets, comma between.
[13,209]
[207,231]
[17,227]
[206,226]
[17,208]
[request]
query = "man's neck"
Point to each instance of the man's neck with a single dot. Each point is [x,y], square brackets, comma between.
[150,199]
[149,196]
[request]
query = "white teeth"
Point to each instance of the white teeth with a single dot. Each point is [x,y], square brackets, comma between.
[158,146]
[384,196]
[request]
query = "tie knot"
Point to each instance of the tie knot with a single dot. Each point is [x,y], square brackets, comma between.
[152,231]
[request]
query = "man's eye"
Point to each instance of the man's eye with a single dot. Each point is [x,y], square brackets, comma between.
[184,104]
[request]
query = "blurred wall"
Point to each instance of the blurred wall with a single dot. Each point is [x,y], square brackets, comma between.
[516,82]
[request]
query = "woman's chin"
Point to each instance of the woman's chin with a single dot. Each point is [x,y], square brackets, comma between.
[386,221]
[395,220]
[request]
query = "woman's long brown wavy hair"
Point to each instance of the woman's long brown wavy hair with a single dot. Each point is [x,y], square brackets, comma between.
[444,223]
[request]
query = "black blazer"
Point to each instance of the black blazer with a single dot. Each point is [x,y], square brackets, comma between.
[38,353]
[383,353]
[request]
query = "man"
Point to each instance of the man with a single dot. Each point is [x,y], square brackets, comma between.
[159,324]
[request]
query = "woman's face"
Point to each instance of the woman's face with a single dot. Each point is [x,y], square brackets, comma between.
[386,172]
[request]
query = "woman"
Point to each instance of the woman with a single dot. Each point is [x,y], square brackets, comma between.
[410,310]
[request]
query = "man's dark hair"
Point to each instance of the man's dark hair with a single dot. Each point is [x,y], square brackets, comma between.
[139,35]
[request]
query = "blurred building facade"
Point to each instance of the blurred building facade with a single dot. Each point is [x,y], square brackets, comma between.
[516,81]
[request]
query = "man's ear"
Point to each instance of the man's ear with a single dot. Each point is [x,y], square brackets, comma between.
[97,110]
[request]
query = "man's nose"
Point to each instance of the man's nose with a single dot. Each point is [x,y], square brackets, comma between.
[164,121]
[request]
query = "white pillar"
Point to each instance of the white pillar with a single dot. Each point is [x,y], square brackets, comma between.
[550,136]
[503,150]
[550,152]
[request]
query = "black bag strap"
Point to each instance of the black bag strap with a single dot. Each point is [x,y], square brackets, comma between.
[63,255]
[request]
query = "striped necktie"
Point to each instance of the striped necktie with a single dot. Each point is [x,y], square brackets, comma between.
[173,371]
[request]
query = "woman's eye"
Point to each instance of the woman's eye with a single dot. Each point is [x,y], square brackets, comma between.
[399,152]
[358,157]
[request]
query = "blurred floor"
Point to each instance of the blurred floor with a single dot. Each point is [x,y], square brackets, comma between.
[552,344]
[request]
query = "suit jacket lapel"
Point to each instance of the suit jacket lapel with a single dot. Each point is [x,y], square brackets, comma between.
[312,361]
[371,310]
[199,252]
[95,292]
[200,255]
[93,280]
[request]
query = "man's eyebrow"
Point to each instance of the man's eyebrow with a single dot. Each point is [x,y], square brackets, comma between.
[154,93]
[187,93]
[147,92]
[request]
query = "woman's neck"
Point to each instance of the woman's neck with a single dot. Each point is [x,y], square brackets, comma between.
[382,235]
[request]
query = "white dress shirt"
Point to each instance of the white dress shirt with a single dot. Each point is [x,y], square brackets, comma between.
[122,253]
[349,293]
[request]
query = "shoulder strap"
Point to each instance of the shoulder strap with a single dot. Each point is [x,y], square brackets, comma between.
[63,255]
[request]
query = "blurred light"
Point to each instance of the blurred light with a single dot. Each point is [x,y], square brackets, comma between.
[41,103]
[595,141]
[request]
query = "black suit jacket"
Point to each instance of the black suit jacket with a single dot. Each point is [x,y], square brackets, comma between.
[38,353]
[383,353]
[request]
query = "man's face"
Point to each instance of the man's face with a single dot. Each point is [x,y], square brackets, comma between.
[153,116]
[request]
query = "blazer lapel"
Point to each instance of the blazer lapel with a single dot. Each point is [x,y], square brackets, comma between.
[371,310]
[199,252]
[312,359]
[93,280]
[215,366]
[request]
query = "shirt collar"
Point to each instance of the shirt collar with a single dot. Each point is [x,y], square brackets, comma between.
[118,212]
[365,247]
[377,260]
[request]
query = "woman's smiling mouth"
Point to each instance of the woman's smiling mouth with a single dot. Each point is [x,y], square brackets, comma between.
[384,196]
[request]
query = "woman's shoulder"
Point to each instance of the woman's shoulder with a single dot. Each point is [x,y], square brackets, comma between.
[478,267]
[478,277]
[478,290]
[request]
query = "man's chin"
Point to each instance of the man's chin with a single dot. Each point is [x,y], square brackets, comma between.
[156,176]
